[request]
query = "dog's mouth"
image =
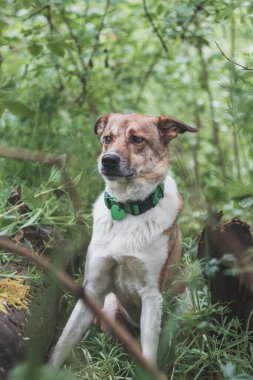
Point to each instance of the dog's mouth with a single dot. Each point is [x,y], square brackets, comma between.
[112,175]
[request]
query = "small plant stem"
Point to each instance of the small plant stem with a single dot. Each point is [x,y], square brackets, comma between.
[215,127]
[233,105]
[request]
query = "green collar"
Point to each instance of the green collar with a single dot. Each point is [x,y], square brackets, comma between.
[120,209]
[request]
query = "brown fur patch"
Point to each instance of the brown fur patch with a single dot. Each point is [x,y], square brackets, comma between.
[169,276]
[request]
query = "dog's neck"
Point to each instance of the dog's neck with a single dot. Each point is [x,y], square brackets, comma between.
[133,190]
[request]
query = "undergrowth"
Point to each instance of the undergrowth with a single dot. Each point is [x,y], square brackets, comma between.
[49,204]
[201,345]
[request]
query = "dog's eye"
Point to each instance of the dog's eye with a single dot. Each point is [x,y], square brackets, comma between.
[107,139]
[136,139]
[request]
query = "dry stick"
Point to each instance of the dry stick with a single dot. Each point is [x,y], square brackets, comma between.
[65,280]
[32,155]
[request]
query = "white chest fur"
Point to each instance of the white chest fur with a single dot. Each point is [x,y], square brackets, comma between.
[137,244]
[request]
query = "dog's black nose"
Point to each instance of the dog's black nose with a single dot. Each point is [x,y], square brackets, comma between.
[110,160]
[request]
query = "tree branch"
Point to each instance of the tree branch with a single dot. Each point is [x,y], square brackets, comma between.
[101,24]
[197,10]
[230,60]
[74,38]
[146,77]
[155,29]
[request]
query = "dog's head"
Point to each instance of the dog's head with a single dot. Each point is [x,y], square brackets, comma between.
[135,146]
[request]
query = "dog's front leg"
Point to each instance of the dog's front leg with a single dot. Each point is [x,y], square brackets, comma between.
[150,323]
[96,285]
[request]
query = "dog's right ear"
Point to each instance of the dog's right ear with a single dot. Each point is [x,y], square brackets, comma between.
[100,124]
[170,127]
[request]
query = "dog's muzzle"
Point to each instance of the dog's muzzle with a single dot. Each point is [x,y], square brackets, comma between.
[110,161]
[114,167]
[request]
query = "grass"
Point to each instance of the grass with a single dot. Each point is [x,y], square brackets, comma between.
[198,347]
[201,345]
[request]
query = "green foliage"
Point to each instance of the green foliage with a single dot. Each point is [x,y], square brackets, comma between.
[32,371]
[42,207]
[100,357]
[201,344]
[64,63]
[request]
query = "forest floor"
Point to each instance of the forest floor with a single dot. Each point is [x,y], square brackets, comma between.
[210,343]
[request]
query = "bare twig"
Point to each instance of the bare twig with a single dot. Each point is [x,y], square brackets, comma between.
[232,91]
[215,126]
[146,76]
[78,73]
[199,7]
[94,49]
[155,29]
[75,39]
[100,28]
[49,19]
[82,75]
[232,61]
[65,280]
[35,13]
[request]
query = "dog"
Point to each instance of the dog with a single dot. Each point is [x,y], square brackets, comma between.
[136,245]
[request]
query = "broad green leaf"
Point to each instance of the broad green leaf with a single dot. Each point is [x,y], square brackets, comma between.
[35,49]
[2,108]
[160,9]
[25,371]
[56,48]
[3,24]
[18,108]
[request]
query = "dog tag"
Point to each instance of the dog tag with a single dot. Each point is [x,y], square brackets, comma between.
[117,213]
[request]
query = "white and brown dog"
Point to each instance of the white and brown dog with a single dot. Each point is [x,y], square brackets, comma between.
[136,245]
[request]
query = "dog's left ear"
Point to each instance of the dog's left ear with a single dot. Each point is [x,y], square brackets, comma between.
[100,124]
[170,127]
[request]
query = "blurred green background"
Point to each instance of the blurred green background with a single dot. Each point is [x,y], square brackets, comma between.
[64,63]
